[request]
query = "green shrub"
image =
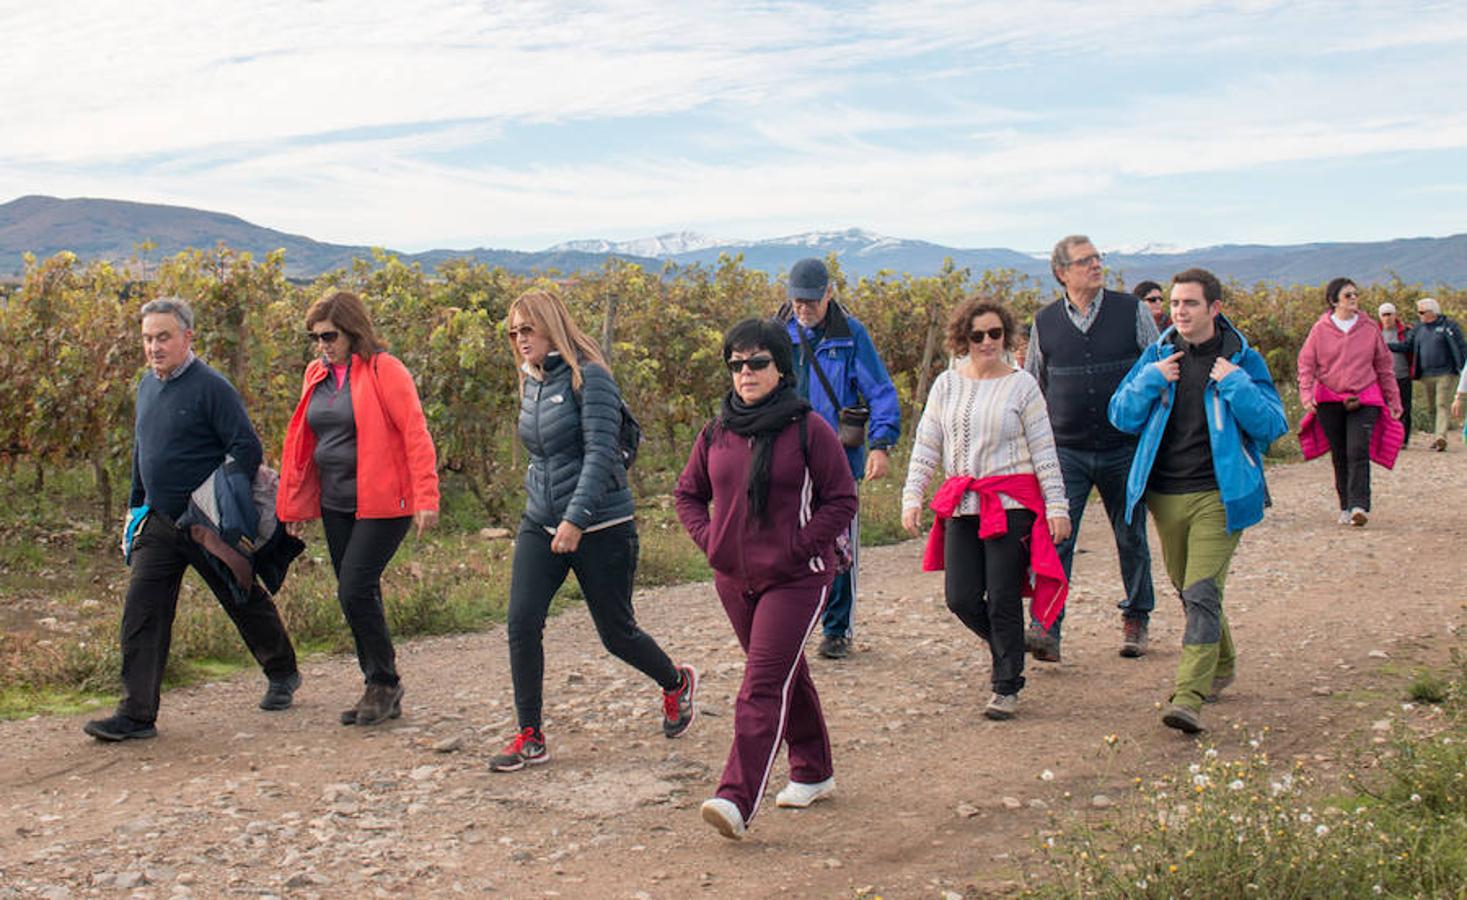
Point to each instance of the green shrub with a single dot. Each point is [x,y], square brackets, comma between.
[1244,827]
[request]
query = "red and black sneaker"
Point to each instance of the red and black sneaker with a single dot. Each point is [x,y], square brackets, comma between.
[527,749]
[678,708]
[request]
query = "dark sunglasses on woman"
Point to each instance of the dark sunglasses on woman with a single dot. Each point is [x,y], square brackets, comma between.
[325,337]
[993,334]
[755,364]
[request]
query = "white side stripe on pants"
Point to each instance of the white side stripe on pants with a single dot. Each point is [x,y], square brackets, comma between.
[784,704]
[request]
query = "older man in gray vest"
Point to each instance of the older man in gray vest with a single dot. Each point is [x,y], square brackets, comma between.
[1080,348]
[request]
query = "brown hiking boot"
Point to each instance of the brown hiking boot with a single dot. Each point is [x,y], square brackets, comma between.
[1133,638]
[379,703]
[1042,645]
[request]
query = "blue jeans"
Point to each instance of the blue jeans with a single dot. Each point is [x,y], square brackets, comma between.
[1106,470]
[840,608]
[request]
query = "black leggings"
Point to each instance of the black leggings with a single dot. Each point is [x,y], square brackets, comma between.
[984,581]
[1348,434]
[605,563]
[360,551]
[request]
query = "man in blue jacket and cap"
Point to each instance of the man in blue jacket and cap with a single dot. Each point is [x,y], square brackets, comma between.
[854,378]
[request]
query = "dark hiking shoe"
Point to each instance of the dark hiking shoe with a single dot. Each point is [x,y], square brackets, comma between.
[527,749]
[835,646]
[281,692]
[119,728]
[1219,684]
[349,716]
[678,708]
[1133,638]
[1043,645]
[379,703]
[1440,444]
[1182,719]
[1358,517]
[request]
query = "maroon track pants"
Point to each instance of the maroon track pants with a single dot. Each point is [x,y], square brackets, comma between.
[777,701]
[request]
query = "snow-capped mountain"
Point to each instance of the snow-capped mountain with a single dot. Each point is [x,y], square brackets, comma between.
[112,229]
[662,246]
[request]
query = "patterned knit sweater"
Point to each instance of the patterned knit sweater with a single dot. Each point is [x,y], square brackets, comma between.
[983,427]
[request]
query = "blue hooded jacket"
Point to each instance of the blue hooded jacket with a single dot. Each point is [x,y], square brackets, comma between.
[1244,416]
[849,359]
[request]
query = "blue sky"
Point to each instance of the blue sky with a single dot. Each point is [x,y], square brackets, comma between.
[970,123]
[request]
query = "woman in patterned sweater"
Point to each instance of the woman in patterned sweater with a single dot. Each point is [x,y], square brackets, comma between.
[1002,504]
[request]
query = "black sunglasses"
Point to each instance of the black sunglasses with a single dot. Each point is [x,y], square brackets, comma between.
[526,330]
[755,364]
[323,336]
[993,334]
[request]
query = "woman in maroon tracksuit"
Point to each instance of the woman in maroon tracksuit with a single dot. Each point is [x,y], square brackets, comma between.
[781,491]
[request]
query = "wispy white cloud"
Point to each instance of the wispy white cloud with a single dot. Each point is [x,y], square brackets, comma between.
[929,118]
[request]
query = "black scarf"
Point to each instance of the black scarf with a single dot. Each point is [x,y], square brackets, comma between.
[763,421]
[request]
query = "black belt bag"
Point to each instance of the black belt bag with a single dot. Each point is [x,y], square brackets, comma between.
[850,419]
[853,419]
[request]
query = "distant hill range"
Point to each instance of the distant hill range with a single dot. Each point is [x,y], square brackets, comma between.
[112,229]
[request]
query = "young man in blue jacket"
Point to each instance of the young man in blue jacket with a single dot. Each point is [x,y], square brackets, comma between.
[844,351]
[1206,410]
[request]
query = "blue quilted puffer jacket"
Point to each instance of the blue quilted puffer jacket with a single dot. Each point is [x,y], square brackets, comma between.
[575,473]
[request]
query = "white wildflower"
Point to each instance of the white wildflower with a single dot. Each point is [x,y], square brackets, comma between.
[1236,784]
[1046,775]
[1321,830]
[1211,753]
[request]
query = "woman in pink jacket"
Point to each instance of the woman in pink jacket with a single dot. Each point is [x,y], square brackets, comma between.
[1345,379]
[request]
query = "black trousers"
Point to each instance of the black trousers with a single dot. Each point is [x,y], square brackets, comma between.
[605,563]
[360,551]
[1348,434]
[160,556]
[1405,386]
[984,581]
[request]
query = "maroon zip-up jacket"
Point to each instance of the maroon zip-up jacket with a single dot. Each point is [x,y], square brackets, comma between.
[810,502]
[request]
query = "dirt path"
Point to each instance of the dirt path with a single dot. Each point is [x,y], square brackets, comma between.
[233,801]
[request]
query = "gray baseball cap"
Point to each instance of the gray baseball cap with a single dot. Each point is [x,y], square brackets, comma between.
[808,279]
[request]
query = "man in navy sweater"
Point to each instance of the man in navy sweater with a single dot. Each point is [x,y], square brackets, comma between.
[1080,347]
[189,417]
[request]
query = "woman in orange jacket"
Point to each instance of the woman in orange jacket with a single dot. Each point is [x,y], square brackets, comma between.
[358,456]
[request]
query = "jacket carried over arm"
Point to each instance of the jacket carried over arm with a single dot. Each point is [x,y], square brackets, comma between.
[397,466]
[1244,415]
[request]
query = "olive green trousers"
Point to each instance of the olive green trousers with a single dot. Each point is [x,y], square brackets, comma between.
[1196,549]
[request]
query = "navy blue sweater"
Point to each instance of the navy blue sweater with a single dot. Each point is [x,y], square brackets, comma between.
[185,427]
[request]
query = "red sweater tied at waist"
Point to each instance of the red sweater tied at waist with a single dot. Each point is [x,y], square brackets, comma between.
[1046,582]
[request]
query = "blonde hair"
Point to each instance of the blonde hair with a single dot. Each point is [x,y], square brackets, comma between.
[543,309]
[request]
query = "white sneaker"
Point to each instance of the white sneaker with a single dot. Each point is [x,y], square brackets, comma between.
[797,795]
[1358,518]
[1344,517]
[723,815]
